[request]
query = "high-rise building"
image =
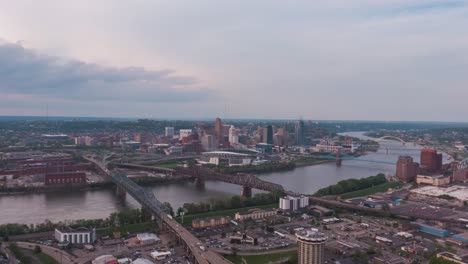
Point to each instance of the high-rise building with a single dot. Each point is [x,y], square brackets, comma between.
[169,131]
[268,135]
[233,136]
[208,143]
[300,133]
[431,161]
[293,203]
[311,247]
[406,169]
[219,131]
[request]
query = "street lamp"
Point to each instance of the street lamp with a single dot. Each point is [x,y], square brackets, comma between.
[182,214]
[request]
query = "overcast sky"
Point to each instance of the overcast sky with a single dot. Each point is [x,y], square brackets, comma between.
[347,60]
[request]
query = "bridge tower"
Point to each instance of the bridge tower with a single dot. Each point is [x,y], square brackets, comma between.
[121,193]
[338,158]
[246,192]
[146,214]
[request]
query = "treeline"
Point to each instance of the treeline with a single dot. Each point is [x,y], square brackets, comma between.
[352,185]
[126,217]
[261,168]
[230,203]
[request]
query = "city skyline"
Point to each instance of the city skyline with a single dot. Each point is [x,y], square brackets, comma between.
[334,60]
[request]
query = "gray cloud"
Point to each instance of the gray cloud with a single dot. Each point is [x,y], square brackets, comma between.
[24,71]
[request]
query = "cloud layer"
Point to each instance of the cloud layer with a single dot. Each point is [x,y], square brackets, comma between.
[31,74]
[330,59]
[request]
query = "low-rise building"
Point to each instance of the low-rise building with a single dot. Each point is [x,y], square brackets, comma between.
[80,235]
[453,257]
[459,239]
[210,222]
[435,180]
[254,214]
[104,259]
[65,178]
[243,238]
[147,238]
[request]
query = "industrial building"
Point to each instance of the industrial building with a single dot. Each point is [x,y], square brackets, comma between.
[311,247]
[293,203]
[433,230]
[75,236]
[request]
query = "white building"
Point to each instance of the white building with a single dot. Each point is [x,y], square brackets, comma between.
[184,133]
[147,238]
[169,131]
[293,203]
[76,236]
[233,136]
[160,255]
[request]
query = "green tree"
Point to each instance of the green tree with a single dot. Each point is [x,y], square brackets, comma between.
[37,249]
[170,210]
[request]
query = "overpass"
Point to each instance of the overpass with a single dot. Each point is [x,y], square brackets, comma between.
[148,201]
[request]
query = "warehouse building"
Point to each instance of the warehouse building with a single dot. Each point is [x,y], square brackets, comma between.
[433,230]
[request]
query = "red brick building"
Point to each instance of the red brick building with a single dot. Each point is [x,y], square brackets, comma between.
[65,178]
[406,169]
[48,169]
[431,161]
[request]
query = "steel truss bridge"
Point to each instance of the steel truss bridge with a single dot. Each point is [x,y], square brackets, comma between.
[246,180]
[347,157]
[243,179]
[149,202]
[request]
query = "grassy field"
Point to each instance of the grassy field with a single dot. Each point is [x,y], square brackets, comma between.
[263,259]
[231,212]
[46,259]
[169,165]
[133,228]
[376,189]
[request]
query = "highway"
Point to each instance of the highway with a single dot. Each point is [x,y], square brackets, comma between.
[149,201]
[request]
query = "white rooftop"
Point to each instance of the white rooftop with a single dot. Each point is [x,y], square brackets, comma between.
[147,236]
[457,191]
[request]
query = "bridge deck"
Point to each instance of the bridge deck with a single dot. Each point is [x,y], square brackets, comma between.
[148,200]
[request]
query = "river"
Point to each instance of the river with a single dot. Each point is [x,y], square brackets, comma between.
[35,208]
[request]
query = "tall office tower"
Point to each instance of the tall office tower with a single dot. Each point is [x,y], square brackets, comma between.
[233,136]
[219,131]
[268,135]
[300,133]
[406,169]
[431,161]
[170,131]
[311,247]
